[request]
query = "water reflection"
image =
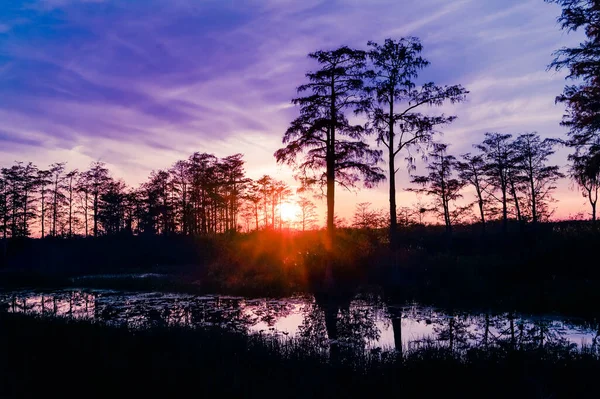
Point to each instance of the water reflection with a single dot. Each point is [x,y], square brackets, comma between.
[323,322]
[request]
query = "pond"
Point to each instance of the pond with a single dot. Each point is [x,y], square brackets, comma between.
[362,321]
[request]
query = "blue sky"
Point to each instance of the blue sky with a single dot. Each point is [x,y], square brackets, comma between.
[141,84]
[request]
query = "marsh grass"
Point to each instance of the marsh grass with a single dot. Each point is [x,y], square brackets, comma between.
[61,357]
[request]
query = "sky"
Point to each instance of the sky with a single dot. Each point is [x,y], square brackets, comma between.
[141,84]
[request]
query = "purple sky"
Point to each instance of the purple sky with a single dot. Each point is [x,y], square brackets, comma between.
[141,84]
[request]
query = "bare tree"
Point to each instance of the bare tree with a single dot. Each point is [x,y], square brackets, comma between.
[307,213]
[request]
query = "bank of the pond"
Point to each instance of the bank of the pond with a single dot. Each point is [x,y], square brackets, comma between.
[51,358]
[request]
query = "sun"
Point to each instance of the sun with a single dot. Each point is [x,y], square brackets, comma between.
[289,212]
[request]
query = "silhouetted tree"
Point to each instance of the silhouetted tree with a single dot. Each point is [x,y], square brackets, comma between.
[315,136]
[583,62]
[281,192]
[4,214]
[71,187]
[587,176]
[233,186]
[406,216]
[307,215]
[253,197]
[96,178]
[531,160]
[471,170]
[399,124]
[441,184]
[83,192]
[265,184]
[202,175]
[57,192]
[44,181]
[366,218]
[111,212]
[498,154]
[180,173]
[158,203]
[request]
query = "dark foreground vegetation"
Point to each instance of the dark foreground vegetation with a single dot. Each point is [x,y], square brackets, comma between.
[60,357]
[551,268]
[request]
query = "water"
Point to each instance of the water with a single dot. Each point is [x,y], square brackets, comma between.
[363,321]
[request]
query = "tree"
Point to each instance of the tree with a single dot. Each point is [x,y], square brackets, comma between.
[4,214]
[253,197]
[180,173]
[395,117]
[364,217]
[233,185]
[441,184]
[265,184]
[158,202]
[12,194]
[471,170]
[307,215]
[96,179]
[281,193]
[583,62]
[587,176]
[498,154]
[83,191]
[316,134]
[43,181]
[112,204]
[531,159]
[58,196]
[202,167]
[71,187]
[27,176]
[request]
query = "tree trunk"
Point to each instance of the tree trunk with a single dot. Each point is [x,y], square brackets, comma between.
[43,215]
[397,328]
[95,214]
[331,169]
[534,217]
[393,216]
[516,199]
[70,213]
[482,214]
[504,209]
[54,209]
[87,228]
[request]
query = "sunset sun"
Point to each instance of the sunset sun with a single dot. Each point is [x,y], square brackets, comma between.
[289,212]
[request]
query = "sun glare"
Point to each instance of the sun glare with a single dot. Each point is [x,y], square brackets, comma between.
[289,212]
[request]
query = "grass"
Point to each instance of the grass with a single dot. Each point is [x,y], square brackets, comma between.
[61,357]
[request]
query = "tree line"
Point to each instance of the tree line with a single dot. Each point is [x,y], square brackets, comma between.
[197,196]
[511,178]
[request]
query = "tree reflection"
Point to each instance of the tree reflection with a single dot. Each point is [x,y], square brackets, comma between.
[340,323]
